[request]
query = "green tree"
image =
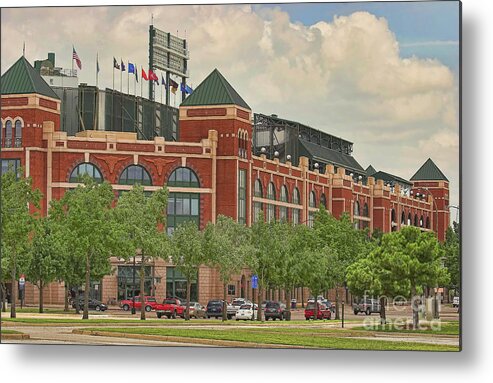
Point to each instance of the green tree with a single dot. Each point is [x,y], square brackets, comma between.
[44,263]
[226,248]
[18,222]
[345,245]
[143,218]
[451,248]
[91,234]
[186,249]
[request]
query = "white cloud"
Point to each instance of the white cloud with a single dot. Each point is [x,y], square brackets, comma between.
[344,76]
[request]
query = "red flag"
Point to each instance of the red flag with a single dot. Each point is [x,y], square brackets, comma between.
[144,75]
[153,76]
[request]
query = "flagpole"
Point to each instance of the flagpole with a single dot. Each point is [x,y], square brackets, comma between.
[113,73]
[161,91]
[128,81]
[97,73]
[141,84]
[73,60]
[121,76]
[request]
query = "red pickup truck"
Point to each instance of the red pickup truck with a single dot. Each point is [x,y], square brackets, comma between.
[171,308]
[150,303]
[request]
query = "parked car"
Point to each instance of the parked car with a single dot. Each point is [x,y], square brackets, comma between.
[367,306]
[330,305]
[171,308]
[234,306]
[274,310]
[196,309]
[245,312]
[321,310]
[94,304]
[214,308]
[456,302]
[150,303]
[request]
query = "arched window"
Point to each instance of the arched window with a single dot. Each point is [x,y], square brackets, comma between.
[393,223]
[271,209]
[421,222]
[283,210]
[311,203]
[8,134]
[356,208]
[135,174]
[183,177]
[296,212]
[18,134]
[85,168]
[183,206]
[366,213]
[415,220]
[409,219]
[323,201]
[1,133]
[403,218]
[257,206]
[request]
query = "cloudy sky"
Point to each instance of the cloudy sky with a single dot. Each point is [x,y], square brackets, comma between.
[382,75]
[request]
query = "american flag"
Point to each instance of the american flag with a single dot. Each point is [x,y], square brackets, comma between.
[75,57]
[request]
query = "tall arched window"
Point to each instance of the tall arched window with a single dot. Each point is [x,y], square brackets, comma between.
[135,174]
[8,134]
[323,201]
[259,193]
[356,214]
[296,212]
[271,208]
[415,220]
[85,168]
[403,218]
[18,134]
[366,212]
[283,210]
[311,203]
[183,206]
[393,223]
[421,222]
[409,219]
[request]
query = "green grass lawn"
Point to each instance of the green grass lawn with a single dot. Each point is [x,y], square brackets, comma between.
[446,328]
[290,339]
[3,332]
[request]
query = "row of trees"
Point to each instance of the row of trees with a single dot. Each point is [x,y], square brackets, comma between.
[86,227]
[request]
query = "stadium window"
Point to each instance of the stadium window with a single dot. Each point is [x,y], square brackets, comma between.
[8,134]
[242,196]
[296,212]
[18,134]
[135,174]
[183,177]
[11,165]
[85,168]
[283,210]
[271,208]
[257,206]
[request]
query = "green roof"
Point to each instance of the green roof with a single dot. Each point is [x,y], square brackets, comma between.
[370,170]
[330,156]
[22,78]
[215,90]
[387,177]
[429,172]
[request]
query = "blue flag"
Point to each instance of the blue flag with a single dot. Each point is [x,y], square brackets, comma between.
[131,68]
[188,90]
[162,81]
[182,87]
[123,66]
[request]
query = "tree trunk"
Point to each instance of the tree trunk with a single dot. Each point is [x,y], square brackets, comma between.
[187,311]
[13,295]
[4,297]
[259,311]
[225,305]
[302,297]
[65,308]
[142,293]
[77,301]
[85,314]
[415,307]
[288,304]
[383,318]
[41,286]
[337,304]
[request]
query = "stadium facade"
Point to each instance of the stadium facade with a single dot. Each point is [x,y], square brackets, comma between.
[218,159]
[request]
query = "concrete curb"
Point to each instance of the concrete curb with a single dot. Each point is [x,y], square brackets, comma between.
[211,342]
[15,336]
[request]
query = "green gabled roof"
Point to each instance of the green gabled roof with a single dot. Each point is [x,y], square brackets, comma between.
[429,172]
[370,170]
[215,90]
[387,177]
[22,78]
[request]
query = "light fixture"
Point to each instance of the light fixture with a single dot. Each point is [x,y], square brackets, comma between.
[360,177]
[288,157]
[351,175]
[316,165]
[263,150]
[276,154]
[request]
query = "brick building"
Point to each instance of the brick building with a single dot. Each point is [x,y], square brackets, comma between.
[210,170]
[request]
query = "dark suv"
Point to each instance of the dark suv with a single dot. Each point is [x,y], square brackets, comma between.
[274,310]
[94,304]
[214,308]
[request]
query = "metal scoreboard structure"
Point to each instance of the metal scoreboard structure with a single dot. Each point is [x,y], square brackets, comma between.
[168,53]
